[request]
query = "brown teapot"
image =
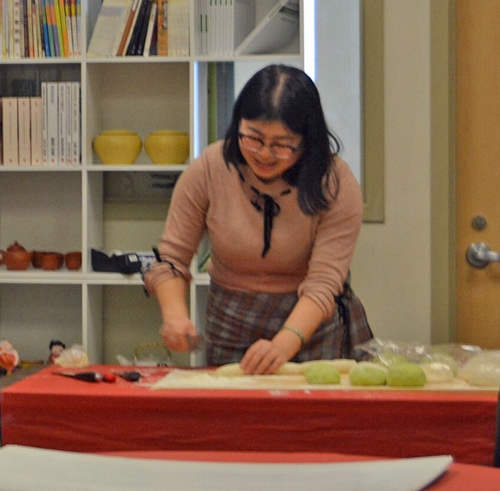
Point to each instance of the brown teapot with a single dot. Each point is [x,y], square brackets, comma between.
[16,257]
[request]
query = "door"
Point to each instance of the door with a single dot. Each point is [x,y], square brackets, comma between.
[478,171]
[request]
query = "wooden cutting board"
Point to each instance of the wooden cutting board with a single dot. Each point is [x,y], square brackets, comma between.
[206,379]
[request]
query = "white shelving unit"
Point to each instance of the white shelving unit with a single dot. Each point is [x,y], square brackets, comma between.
[67,208]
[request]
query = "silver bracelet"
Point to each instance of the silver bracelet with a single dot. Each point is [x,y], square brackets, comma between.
[299,333]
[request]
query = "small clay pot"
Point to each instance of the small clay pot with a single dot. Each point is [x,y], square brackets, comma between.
[16,260]
[60,259]
[36,259]
[51,261]
[73,260]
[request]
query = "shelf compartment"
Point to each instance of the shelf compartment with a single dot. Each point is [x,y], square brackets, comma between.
[32,315]
[141,97]
[42,210]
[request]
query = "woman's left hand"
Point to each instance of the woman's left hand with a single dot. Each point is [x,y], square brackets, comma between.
[263,357]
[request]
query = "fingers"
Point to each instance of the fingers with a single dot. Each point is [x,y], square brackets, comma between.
[262,357]
[176,336]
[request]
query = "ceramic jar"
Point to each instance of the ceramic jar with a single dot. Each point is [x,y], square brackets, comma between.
[117,147]
[167,147]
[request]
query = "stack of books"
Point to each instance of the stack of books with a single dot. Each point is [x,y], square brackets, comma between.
[141,28]
[42,131]
[229,27]
[40,28]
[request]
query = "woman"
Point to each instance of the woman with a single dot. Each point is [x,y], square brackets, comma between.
[282,212]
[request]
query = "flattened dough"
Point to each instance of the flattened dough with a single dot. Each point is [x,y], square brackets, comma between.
[290,368]
[343,365]
[234,370]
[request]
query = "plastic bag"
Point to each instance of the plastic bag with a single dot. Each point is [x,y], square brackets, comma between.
[73,357]
[441,362]
[483,369]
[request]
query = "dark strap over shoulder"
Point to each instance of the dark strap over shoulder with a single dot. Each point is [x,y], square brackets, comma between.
[353,316]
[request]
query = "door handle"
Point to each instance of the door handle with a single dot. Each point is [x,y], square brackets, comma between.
[480,255]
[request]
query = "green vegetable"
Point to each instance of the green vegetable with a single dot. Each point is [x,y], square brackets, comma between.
[367,373]
[406,375]
[321,374]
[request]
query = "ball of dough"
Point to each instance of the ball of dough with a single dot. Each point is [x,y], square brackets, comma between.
[368,373]
[322,374]
[230,370]
[406,375]
[446,360]
[437,372]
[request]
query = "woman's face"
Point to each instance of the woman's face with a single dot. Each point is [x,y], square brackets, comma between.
[269,147]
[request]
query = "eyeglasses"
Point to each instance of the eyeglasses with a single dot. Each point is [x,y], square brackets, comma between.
[277,150]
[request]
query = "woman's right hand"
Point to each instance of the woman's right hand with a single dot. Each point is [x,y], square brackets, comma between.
[176,333]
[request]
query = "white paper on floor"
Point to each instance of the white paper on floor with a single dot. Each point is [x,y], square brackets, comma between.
[34,469]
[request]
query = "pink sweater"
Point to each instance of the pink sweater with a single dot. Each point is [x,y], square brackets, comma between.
[310,255]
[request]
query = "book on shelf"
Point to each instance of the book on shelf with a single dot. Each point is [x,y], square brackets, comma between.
[127,27]
[274,31]
[53,23]
[141,39]
[109,24]
[24,130]
[162,27]
[10,132]
[132,28]
[178,27]
[61,123]
[52,124]
[45,151]
[61,28]
[152,27]
[134,45]
[75,19]
[222,25]
[68,28]
[50,49]
[68,124]
[36,131]
[75,123]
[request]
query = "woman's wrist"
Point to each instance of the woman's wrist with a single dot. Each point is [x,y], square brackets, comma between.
[297,332]
[288,341]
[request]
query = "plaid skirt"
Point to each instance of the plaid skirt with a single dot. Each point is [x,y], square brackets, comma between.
[235,320]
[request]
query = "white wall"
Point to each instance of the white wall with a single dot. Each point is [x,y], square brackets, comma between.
[392,264]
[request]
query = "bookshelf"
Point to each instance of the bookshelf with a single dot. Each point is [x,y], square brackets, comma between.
[109,207]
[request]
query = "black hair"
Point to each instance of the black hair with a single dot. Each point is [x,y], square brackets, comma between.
[56,342]
[287,94]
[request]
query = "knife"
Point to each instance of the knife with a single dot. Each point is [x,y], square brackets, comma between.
[89,376]
[196,342]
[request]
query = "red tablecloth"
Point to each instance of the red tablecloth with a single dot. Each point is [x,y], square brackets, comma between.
[459,477]
[61,413]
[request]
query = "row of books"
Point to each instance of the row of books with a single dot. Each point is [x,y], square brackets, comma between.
[228,27]
[42,131]
[141,28]
[40,28]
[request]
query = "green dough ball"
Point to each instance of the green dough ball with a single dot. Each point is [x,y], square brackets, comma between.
[321,374]
[406,375]
[389,358]
[366,373]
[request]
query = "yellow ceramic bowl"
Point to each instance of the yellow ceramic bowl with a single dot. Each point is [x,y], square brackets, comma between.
[167,147]
[118,132]
[117,148]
